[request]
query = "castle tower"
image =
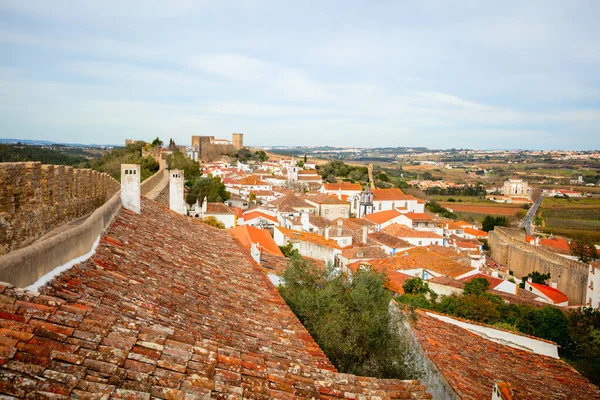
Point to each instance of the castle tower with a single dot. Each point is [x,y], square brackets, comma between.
[130,187]
[176,192]
[237,140]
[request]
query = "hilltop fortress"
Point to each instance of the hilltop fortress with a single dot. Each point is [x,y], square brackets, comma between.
[208,148]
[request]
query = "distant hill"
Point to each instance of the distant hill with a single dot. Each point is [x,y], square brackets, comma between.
[50,143]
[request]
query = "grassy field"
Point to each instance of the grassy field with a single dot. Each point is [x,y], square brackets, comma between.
[574,218]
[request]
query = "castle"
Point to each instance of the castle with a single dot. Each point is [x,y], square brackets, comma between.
[205,146]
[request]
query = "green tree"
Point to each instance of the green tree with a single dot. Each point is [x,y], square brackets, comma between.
[348,319]
[415,286]
[244,154]
[536,277]
[289,251]
[157,143]
[489,222]
[470,306]
[210,187]
[212,221]
[191,169]
[584,250]
[260,155]
[476,286]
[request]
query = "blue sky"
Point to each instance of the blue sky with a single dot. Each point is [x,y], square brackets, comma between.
[474,74]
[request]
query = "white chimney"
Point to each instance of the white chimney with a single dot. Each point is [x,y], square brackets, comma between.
[339,196]
[255,252]
[495,274]
[204,205]
[365,232]
[176,192]
[340,222]
[130,187]
[305,220]
[554,285]
[327,233]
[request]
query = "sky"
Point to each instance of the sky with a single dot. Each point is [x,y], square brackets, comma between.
[440,74]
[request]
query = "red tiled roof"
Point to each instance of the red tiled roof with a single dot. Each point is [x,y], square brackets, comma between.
[218,208]
[257,214]
[422,257]
[344,186]
[249,234]
[308,172]
[389,194]
[326,199]
[476,232]
[418,216]
[553,294]
[382,216]
[252,181]
[168,307]
[363,252]
[403,231]
[308,237]
[388,240]
[557,243]
[472,365]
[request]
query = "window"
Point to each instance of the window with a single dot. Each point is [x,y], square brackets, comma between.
[420,242]
[379,206]
[344,212]
[327,211]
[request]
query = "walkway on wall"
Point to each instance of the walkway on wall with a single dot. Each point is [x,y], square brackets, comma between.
[160,186]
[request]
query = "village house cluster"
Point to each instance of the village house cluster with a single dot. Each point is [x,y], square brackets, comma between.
[351,227]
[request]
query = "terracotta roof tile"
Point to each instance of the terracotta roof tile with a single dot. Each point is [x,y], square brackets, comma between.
[308,237]
[358,252]
[472,365]
[389,194]
[553,294]
[326,199]
[249,234]
[257,214]
[403,231]
[218,208]
[389,240]
[421,257]
[382,216]
[344,186]
[167,307]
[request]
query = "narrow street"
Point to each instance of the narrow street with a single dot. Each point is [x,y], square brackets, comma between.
[527,222]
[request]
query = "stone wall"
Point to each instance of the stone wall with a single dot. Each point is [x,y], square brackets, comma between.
[36,198]
[508,247]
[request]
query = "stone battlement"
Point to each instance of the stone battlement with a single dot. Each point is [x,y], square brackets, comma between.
[508,247]
[36,198]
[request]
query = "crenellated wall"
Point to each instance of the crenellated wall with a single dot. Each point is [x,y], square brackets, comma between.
[36,198]
[508,247]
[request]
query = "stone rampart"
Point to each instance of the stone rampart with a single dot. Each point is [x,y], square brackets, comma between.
[24,266]
[36,198]
[523,258]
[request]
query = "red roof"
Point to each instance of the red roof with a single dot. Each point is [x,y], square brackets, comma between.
[249,234]
[389,194]
[342,186]
[556,243]
[555,295]
[475,232]
[418,216]
[382,216]
[257,214]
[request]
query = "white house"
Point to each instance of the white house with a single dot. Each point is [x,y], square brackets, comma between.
[547,294]
[593,285]
[416,238]
[308,244]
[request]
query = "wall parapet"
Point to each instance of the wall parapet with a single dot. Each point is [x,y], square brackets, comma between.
[540,250]
[24,266]
[36,198]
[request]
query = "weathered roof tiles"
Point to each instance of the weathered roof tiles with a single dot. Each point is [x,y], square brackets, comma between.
[170,308]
